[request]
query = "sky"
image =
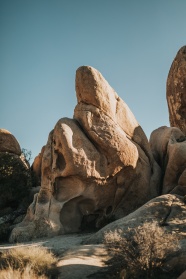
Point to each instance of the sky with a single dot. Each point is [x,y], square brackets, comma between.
[42,43]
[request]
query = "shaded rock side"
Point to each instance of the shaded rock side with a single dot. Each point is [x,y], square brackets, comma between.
[95,167]
[168,145]
[36,167]
[176,91]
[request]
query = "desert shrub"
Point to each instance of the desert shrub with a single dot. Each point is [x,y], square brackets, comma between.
[4,232]
[15,180]
[28,273]
[28,262]
[141,252]
[27,154]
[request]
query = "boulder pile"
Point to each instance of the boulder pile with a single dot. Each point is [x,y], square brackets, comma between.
[99,166]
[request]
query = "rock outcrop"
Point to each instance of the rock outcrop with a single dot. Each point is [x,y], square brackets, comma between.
[95,167]
[8,143]
[168,145]
[176,91]
[169,211]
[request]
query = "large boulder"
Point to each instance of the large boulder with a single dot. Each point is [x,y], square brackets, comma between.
[168,211]
[168,145]
[176,91]
[8,143]
[95,167]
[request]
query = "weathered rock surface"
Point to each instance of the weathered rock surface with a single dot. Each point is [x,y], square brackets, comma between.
[95,166]
[168,146]
[8,143]
[176,91]
[169,211]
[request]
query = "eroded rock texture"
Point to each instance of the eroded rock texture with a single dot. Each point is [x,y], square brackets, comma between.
[168,146]
[94,166]
[176,91]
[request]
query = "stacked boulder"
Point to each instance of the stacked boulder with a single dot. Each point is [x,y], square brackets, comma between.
[95,167]
[167,212]
[168,144]
[99,166]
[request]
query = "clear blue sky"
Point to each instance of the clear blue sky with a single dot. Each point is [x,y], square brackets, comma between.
[42,43]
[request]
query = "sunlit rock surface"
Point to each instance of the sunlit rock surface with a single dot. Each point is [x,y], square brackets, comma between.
[176,91]
[95,167]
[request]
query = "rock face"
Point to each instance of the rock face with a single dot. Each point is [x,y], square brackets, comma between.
[94,167]
[168,146]
[8,143]
[176,91]
[169,211]
[36,167]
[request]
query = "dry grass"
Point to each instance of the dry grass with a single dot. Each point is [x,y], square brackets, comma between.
[28,273]
[140,253]
[27,262]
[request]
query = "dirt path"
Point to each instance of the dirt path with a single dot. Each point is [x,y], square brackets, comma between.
[76,261]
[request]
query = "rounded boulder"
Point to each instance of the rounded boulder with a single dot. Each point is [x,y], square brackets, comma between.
[8,143]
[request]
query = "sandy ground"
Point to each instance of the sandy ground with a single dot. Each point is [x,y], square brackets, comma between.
[76,261]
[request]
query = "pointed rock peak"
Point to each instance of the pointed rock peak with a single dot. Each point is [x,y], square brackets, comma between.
[182,51]
[93,89]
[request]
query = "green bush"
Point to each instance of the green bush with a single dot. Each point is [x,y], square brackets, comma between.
[27,154]
[15,180]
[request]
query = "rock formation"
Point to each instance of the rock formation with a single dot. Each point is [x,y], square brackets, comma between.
[8,143]
[176,91]
[168,211]
[168,146]
[95,167]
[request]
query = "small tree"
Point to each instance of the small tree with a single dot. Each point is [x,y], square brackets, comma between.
[27,154]
[141,251]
